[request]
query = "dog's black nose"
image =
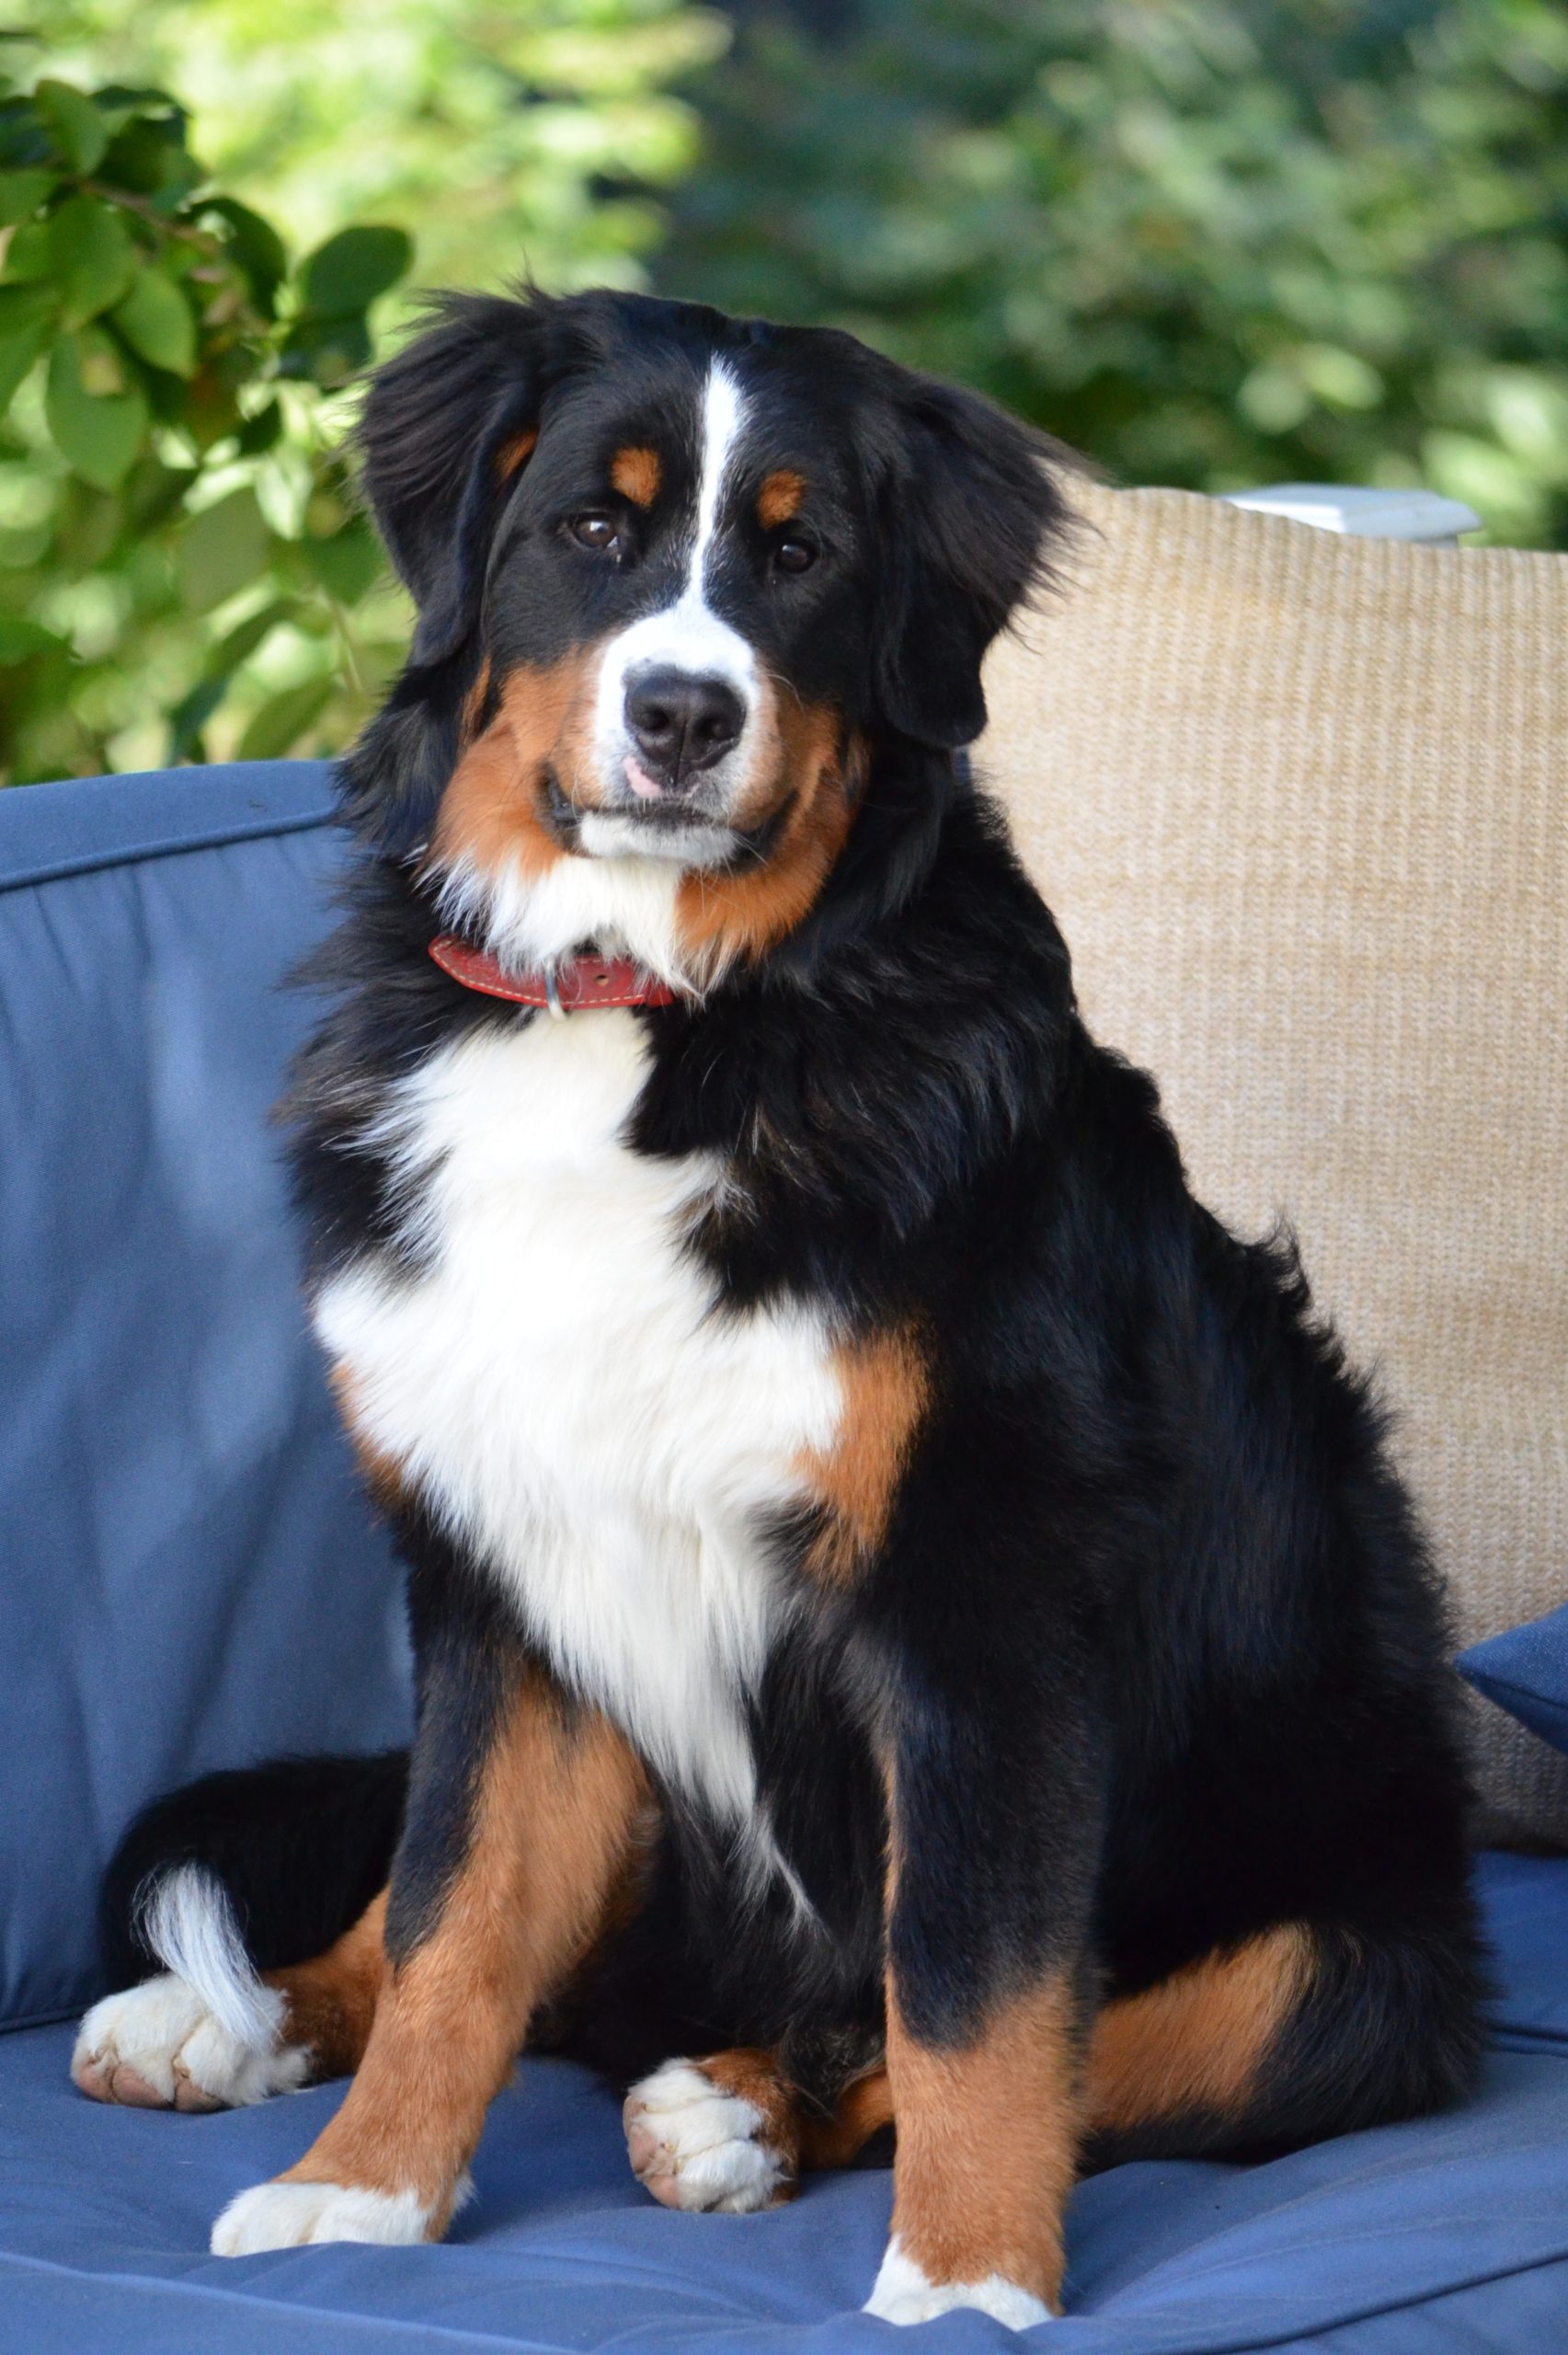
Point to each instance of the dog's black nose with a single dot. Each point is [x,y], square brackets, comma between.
[680,722]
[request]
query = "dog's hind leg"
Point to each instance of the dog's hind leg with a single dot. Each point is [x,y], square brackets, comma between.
[1299,2033]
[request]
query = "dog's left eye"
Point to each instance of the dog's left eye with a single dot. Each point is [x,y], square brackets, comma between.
[795,555]
[597,533]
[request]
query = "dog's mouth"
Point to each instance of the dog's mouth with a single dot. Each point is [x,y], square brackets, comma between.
[686,826]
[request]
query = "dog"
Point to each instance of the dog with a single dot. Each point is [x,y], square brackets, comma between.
[915,1627]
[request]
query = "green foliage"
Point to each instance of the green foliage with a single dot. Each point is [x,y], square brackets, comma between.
[177,540]
[183,572]
[500,132]
[1210,242]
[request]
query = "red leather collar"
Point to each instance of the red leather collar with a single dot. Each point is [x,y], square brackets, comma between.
[586,981]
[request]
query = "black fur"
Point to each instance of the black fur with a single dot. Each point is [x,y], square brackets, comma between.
[302,1846]
[1152,1647]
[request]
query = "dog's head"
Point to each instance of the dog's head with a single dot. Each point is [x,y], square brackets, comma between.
[679,579]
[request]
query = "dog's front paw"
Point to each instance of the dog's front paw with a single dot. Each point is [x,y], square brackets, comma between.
[158,2047]
[903,2294]
[290,2215]
[694,2146]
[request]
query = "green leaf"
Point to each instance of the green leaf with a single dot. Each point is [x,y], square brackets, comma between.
[21,193]
[78,131]
[258,433]
[282,720]
[255,244]
[91,256]
[28,255]
[223,549]
[27,314]
[96,434]
[328,351]
[157,321]
[346,563]
[149,157]
[194,709]
[23,138]
[18,350]
[350,270]
[21,639]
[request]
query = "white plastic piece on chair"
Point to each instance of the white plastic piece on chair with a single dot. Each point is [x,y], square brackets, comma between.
[1364,515]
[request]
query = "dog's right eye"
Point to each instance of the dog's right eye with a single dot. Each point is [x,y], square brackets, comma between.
[597,533]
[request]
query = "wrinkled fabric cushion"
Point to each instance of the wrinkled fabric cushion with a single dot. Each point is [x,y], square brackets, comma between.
[1526,1672]
[1450,2232]
[1297,800]
[190,1578]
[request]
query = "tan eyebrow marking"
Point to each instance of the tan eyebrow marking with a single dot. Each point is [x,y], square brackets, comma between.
[780,498]
[636,475]
[513,451]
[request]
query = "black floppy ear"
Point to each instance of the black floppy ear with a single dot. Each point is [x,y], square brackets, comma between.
[445,427]
[970,518]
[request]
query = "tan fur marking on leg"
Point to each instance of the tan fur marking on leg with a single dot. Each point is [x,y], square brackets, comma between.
[513,453]
[987,2144]
[331,2000]
[1196,2040]
[862,2110]
[780,498]
[559,1802]
[636,474]
[807,770]
[886,1387]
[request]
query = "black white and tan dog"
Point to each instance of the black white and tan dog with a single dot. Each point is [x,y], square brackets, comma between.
[915,1623]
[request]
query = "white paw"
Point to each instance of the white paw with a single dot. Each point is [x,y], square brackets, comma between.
[158,2047]
[290,2215]
[695,2146]
[903,2294]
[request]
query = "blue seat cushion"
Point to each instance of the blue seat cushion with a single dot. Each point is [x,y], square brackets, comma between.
[1450,2234]
[189,1578]
[1525,1670]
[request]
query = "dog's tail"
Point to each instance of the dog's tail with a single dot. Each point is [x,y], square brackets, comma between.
[247,1871]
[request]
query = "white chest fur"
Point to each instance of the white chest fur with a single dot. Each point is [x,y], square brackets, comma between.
[560,1387]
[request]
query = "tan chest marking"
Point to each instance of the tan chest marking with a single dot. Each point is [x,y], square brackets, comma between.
[886,1387]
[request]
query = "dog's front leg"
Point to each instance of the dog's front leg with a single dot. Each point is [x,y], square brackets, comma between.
[522,1808]
[994,1815]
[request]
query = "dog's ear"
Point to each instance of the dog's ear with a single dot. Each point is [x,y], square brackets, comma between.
[446,425]
[970,514]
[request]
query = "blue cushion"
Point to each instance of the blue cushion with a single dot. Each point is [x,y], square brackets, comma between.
[189,1578]
[1451,2233]
[1525,1670]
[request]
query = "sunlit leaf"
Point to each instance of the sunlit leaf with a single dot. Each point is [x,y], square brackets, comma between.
[277,727]
[21,193]
[156,320]
[77,129]
[91,256]
[223,549]
[346,563]
[98,435]
[21,639]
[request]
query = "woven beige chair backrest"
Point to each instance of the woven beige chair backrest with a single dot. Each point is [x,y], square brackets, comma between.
[1301,805]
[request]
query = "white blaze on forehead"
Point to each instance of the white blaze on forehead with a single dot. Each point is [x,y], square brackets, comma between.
[688,635]
[722,417]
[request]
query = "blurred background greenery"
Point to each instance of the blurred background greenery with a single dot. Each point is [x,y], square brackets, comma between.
[1213,242]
